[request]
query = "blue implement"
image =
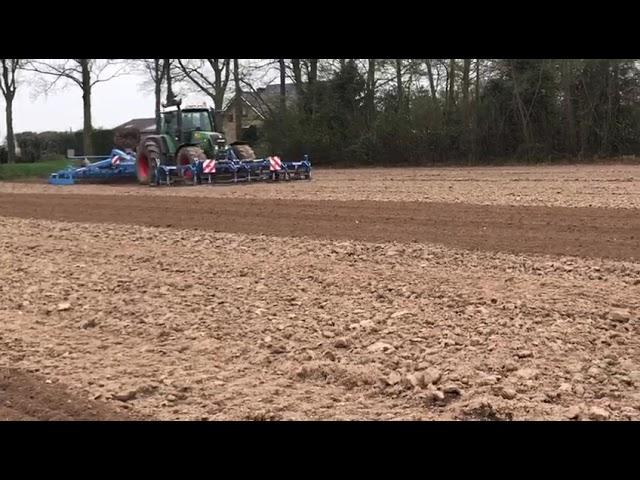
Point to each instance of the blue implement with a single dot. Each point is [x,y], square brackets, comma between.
[118,165]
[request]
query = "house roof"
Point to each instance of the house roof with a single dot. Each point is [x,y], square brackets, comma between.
[141,124]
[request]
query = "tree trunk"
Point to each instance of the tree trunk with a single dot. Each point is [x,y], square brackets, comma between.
[615,109]
[283,86]
[87,131]
[477,79]
[522,111]
[297,72]
[8,89]
[451,98]
[465,89]
[476,104]
[313,70]
[467,139]
[11,141]
[400,88]
[297,79]
[370,91]
[312,93]
[238,100]
[159,72]
[524,119]
[170,96]
[570,121]
[583,121]
[612,88]
[432,85]
[219,82]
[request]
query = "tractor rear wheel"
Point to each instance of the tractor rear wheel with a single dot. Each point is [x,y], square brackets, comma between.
[186,156]
[244,152]
[147,159]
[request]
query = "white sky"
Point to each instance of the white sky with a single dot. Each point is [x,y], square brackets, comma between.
[113,103]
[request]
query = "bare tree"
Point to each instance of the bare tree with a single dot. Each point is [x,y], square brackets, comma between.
[213,84]
[451,91]
[155,71]
[83,72]
[399,86]
[297,80]
[523,110]
[312,67]
[238,97]
[370,90]
[283,88]
[8,87]
[432,85]
[567,79]
[465,89]
[476,106]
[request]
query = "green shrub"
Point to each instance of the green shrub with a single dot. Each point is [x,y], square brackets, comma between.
[12,171]
[34,146]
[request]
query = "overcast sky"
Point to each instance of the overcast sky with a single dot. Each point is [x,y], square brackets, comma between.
[113,103]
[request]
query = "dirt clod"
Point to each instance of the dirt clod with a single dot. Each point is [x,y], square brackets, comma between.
[620,316]
[598,413]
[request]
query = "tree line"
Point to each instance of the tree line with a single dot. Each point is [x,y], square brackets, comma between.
[390,111]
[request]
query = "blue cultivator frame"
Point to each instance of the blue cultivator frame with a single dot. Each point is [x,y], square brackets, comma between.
[232,170]
[118,165]
[252,170]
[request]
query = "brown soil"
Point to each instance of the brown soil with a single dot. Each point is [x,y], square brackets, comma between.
[610,186]
[27,396]
[474,294]
[589,232]
[179,324]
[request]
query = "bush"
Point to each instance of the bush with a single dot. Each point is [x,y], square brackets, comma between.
[40,169]
[34,146]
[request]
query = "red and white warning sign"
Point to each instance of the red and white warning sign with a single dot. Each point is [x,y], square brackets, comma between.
[209,166]
[275,164]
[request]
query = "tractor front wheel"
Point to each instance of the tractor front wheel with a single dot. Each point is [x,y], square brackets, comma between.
[187,156]
[244,152]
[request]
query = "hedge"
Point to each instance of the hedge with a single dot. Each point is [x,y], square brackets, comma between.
[34,146]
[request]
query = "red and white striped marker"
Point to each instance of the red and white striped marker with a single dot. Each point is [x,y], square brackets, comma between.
[209,166]
[115,161]
[275,164]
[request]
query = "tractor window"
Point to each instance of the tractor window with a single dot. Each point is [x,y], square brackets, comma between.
[197,120]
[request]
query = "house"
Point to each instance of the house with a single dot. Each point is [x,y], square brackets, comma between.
[144,125]
[256,106]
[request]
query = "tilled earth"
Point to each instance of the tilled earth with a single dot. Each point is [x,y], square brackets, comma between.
[172,319]
[28,396]
[612,186]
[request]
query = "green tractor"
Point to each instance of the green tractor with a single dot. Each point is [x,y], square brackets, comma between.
[186,134]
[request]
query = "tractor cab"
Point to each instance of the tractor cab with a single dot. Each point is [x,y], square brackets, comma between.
[192,125]
[192,121]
